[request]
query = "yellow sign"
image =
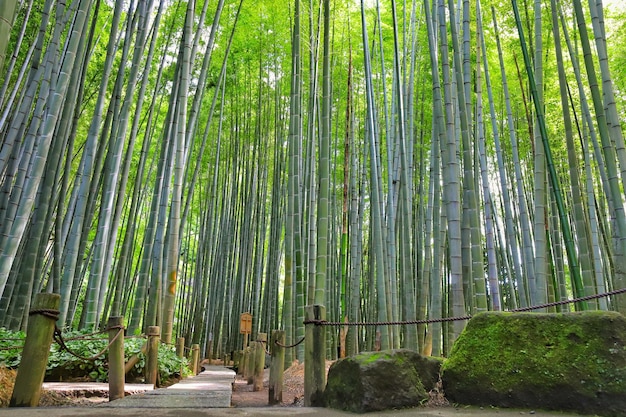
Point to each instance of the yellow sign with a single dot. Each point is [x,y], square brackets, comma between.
[245,323]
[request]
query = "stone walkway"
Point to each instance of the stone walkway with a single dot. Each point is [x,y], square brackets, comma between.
[93,389]
[210,389]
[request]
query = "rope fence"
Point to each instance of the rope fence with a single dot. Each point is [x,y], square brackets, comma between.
[460,318]
[62,342]
[277,343]
[58,336]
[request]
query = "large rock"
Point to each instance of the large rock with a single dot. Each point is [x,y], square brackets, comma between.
[570,362]
[383,380]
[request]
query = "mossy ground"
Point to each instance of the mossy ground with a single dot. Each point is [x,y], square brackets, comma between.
[557,361]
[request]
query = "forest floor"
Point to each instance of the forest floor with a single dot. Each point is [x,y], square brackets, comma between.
[293,389]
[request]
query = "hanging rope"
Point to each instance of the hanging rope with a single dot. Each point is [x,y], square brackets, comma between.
[446,319]
[58,337]
[575,300]
[289,346]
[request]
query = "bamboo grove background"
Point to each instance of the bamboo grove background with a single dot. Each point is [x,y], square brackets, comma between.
[181,162]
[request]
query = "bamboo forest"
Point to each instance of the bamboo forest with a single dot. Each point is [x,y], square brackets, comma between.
[181,162]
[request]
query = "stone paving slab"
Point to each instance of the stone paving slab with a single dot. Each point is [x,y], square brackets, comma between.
[93,387]
[212,400]
[210,389]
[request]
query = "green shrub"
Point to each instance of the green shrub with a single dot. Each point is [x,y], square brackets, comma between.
[65,365]
[11,344]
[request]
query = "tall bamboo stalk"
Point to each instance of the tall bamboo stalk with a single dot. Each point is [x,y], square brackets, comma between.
[554,181]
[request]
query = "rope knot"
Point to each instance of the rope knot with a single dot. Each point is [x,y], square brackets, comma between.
[47,312]
[316,322]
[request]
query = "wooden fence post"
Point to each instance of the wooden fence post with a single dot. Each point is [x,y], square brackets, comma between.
[259,362]
[32,368]
[116,358]
[241,369]
[314,356]
[152,355]
[249,375]
[237,361]
[209,349]
[180,347]
[195,354]
[277,366]
[241,366]
[180,352]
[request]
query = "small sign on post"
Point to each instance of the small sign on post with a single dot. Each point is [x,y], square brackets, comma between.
[245,327]
[245,323]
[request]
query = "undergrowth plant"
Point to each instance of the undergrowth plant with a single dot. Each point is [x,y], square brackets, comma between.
[11,343]
[84,362]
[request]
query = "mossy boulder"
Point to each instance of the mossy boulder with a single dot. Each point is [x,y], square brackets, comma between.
[375,381]
[569,362]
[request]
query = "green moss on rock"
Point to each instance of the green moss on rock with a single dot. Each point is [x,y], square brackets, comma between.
[573,361]
[383,380]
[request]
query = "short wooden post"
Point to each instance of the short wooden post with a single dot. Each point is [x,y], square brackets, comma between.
[259,362]
[32,368]
[250,363]
[277,364]
[180,352]
[116,358]
[152,355]
[314,356]
[195,354]
[209,349]
[180,347]
[238,361]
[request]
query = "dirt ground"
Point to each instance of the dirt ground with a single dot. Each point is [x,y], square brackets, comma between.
[293,389]
[48,398]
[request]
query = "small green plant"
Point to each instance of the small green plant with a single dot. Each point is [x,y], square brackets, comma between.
[11,344]
[171,365]
[63,365]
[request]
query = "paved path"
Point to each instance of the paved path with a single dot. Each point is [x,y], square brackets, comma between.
[210,389]
[93,389]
